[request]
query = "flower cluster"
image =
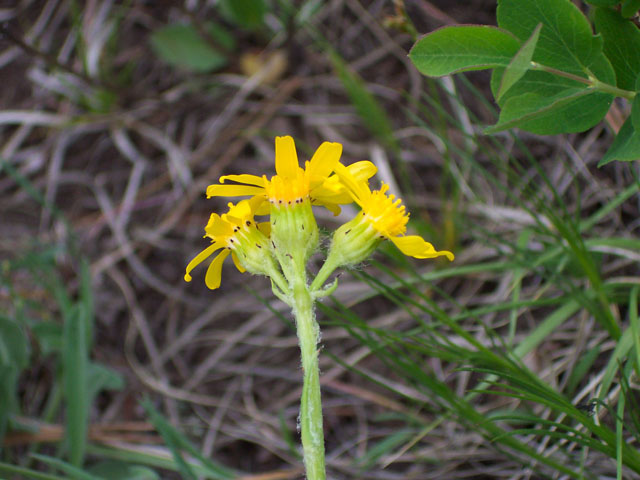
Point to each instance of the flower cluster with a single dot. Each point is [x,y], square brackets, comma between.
[281,247]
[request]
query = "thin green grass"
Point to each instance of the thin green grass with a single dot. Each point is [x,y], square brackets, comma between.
[558,252]
[64,334]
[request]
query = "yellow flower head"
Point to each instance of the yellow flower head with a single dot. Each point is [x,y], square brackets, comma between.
[383,216]
[235,233]
[292,184]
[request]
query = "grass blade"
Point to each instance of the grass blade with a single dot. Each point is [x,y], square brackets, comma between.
[75,368]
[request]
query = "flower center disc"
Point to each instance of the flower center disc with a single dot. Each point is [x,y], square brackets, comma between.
[287,191]
[387,214]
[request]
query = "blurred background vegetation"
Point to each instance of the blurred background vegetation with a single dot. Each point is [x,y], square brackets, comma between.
[518,360]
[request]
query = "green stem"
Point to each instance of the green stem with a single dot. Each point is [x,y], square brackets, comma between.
[591,81]
[279,280]
[613,90]
[322,276]
[311,428]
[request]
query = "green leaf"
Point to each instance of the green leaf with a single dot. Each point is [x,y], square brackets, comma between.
[14,356]
[307,10]
[75,368]
[116,470]
[566,41]
[14,346]
[462,48]
[8,397]
[244,13]
[102,378]
[603,3]
[520,64]
[635,113]
[549,103]
[71,471]
[568,110]
[86,297]
[621,45]
[182,46]
[633,321]
[49,336]
[496,81]
[617,357]
[14,471]
[582,368]
[630,8]
[626,146]
[384,447]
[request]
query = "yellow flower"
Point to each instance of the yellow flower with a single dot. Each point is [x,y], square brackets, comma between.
[383,216]
[235,233]
[292,184]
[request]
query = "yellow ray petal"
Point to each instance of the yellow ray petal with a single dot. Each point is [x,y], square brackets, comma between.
[217,227]
[362,170]
[286,157]
[416,246]
[241,211]
[236,262]
[214,272]
[233,190]
[331,203]
[244,178]
[257,203]
[203,255]
[359,190]
[263,209]
[324,160]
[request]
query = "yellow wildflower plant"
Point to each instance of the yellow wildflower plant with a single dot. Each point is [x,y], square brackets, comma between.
[281,248]
[237,234]
[383,216]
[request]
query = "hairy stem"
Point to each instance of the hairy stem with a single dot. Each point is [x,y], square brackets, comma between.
[311,428]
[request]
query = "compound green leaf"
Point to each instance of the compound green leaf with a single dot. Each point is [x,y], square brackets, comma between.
[548,103]
[462,48]
[621,45]
[520,64]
